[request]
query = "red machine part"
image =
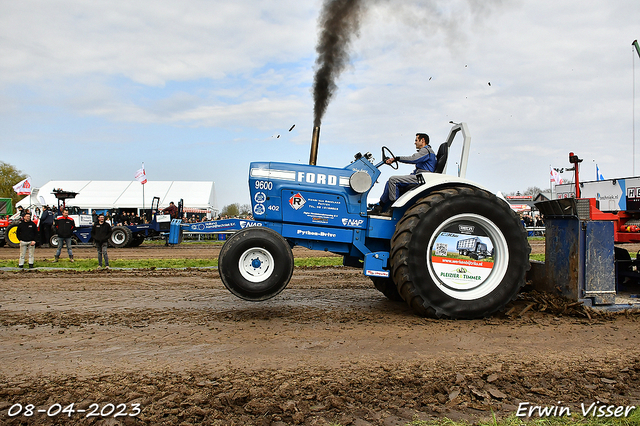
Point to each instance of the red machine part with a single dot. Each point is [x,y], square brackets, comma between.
[622,233]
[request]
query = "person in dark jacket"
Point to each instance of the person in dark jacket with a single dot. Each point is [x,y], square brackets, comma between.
[27,233]
[100,232]
[64,228]
[46,222]
[172,210]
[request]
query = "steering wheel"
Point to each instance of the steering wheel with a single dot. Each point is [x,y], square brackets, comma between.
[385,157]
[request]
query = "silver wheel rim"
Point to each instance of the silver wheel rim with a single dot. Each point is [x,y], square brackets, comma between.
[118,237]
[256,265]
[500,255]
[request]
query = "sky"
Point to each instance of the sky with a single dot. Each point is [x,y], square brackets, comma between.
[197,90]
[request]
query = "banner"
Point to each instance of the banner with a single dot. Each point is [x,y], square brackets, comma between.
[141,176]
[598,174]
[23,187]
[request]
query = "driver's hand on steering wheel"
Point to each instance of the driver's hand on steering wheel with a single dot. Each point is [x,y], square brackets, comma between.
[390,160]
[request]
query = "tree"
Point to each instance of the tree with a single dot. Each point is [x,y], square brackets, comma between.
[9,176]
[232,210]
[245,210]
[532,190]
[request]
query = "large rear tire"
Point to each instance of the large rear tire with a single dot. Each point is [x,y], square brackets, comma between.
[255,263]
[387,287]
[434,279]
[137,240]
[120,237]
[11,237]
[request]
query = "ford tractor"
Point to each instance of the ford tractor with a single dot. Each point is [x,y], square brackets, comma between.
[410,255]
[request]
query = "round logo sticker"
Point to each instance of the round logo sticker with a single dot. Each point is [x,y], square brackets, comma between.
[462,256]
[259,209]
[260,197]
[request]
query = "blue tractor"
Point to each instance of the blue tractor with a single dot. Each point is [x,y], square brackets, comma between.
[134,235]
[411,255]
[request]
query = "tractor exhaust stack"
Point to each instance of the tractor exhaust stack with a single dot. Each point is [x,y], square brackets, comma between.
[313,158]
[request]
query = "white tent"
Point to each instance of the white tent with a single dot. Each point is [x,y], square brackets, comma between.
[97,195]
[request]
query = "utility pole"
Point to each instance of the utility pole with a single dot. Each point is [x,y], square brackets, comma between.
[635,44]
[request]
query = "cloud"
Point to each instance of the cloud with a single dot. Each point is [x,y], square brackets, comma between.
[149,42]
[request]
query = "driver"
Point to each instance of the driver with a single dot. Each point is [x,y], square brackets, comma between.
[424,160]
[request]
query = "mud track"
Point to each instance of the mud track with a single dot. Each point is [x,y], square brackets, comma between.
[330,348]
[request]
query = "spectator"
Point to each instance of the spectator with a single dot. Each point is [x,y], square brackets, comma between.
[21,211]
[46,222]
[64,228]
[100,232]
[27,233]
[172,210]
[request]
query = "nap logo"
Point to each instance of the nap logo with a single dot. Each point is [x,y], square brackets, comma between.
[352,222]
[297,201]
[466,229]
[244,224]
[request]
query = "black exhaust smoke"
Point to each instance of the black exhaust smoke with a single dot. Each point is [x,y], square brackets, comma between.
[339,21]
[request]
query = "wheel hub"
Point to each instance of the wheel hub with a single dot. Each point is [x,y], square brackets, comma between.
[256,264]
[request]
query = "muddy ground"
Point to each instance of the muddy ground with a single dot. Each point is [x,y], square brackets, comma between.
[329,349]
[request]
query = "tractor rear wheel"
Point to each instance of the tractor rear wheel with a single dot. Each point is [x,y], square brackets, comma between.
[256,263]
[137,240]
[387,287]
[120,237]
[12,236]
[434,279]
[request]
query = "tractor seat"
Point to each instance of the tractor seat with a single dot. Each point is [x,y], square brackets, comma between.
[441,158]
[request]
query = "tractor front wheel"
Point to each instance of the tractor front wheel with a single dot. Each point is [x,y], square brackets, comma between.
[434,279]
[12,236]
[137,240]
[256,264]
[120,237]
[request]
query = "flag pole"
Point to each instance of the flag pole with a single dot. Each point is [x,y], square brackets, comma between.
[143,192]
[550,184]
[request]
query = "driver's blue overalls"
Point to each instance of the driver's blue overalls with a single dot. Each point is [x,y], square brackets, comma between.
[425,161]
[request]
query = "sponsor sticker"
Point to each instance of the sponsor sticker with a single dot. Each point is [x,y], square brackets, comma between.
[297,201]
[463,259]
[372,273]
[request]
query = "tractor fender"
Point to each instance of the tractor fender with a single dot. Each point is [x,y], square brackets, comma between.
[434,181]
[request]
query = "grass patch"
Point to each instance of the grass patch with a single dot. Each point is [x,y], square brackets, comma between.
[575,419]
[88,264]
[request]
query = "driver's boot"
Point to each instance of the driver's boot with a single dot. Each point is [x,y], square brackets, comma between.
[377,209]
